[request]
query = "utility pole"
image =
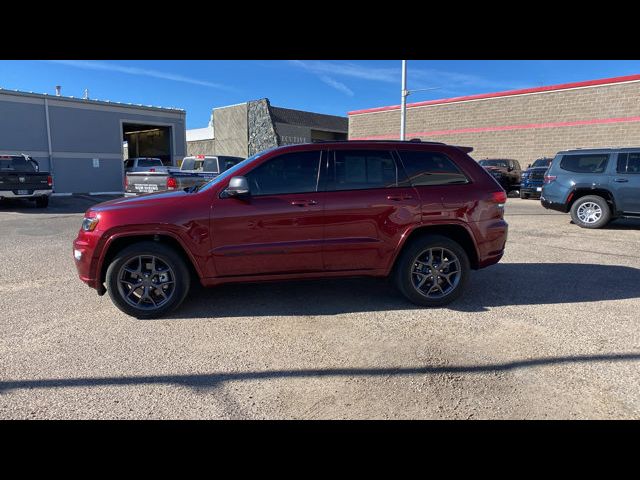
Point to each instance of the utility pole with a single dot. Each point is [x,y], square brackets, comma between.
[404,94]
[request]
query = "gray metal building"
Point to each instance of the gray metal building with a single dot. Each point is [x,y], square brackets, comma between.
[80,141]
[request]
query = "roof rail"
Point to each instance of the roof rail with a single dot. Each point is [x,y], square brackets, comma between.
[413,140]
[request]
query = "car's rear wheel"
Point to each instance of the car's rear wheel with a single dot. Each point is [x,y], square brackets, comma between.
[147,280]
[42,202]
[524,196]
[591,211]
[432,271]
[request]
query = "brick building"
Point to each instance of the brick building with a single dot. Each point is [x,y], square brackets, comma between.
[519,124]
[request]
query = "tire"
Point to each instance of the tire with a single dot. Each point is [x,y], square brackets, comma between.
[122,282]
[405,275]
[524,196]
[42,202]
[591,211]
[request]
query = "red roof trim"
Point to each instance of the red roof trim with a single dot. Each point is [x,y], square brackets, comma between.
[550,88]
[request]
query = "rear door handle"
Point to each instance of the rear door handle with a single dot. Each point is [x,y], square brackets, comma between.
[621,180]
[303,203]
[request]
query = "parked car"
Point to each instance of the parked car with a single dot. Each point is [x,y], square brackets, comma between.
[507,172]
[144,164]
[594,185]
[424,214]
[20,177]
[193,172]
[533,178]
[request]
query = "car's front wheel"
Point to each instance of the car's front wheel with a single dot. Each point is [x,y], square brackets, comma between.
[432,271]
[147,280]
[591,211]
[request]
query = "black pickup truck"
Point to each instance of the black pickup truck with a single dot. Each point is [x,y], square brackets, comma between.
[20,177]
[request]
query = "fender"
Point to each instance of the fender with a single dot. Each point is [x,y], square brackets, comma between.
[146,230]
[409,231]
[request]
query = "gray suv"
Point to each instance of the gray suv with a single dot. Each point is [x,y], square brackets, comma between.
[594,185]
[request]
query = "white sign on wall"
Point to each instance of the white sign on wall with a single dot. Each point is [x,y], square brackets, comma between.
[96,162]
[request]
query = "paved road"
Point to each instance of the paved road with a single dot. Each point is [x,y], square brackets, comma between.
[553,331]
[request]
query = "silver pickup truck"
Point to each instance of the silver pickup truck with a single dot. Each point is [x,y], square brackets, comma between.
[194,171]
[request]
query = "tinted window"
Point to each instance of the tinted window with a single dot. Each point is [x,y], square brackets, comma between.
[493,163]
[431,168]
[228,162]
[149,162]
[128,164]
[361,169]
[629,162]
[16,164]
[290,173]
[588,163]
[541,162]
[209,165]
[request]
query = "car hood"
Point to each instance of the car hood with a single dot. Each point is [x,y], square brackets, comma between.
[146,200]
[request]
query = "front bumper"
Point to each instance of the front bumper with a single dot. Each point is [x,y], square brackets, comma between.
[33,194]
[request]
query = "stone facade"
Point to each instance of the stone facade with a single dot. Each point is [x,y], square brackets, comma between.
[522,126]
[261,131]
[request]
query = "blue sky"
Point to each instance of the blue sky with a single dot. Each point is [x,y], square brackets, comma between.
[324,86]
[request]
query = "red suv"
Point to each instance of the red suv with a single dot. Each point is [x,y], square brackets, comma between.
[424,213]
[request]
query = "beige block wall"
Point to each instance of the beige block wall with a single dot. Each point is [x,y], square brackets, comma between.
[230,124]
[525,145]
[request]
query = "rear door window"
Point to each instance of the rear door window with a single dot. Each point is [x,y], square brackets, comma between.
[431,168]
[363,169]
[629,162]
[585,163]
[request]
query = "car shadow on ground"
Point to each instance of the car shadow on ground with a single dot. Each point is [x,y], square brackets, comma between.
[213,380]
[500,285]
[57,205]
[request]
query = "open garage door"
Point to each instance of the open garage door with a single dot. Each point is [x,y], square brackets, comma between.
[148,141]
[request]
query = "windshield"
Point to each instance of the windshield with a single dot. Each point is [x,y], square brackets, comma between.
[231,172]
[493,163]
[541,162]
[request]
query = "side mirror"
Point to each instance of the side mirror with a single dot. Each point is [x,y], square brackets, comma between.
[529,166]
[238,187]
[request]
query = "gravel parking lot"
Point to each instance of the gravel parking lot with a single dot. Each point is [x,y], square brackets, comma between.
[553,331]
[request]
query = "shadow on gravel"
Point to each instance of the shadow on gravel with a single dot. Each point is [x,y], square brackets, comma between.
[73,204]
[499,285]
[213,380]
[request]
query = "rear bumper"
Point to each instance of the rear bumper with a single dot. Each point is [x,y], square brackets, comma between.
[34,194]
[494,240]
[558,206]
[531,190]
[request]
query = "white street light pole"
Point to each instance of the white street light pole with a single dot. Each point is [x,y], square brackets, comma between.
[405,93]
[403,109]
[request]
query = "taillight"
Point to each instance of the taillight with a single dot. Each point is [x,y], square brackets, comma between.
[499,197]
[172,183]
[126,182]
[549,178]
[50,181]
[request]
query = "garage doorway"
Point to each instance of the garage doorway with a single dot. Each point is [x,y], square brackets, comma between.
[144,140]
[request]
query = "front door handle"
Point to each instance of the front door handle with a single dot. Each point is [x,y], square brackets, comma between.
[621,180]
[397,198]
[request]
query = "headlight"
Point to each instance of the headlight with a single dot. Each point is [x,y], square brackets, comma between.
[89,224]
